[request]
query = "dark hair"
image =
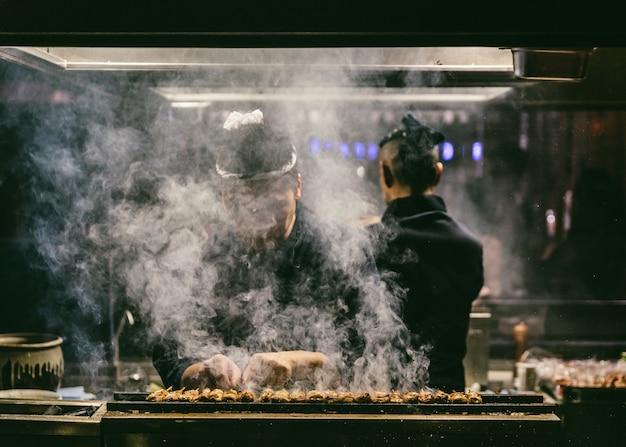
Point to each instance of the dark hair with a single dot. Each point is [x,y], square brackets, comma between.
[415,157]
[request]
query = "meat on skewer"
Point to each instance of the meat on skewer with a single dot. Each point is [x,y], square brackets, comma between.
[230,395]
[297,396]
[246,396]
[268,395]
[281,396]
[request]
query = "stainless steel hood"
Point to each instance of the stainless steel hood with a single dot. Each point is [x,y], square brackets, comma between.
[201,75]
[421,58]
[437,75]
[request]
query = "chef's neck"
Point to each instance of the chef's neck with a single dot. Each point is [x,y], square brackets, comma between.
[398,191]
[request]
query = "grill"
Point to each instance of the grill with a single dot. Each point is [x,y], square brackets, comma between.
[492,403]
[502,420]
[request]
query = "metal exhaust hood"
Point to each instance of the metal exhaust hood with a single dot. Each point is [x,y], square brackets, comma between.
[477,59]
[551,64]
[195,77]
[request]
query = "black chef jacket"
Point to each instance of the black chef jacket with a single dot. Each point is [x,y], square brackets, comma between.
[438,263]
[298,275]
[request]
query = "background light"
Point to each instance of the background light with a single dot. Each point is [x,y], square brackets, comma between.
[372,151]
[477,151]
[314,146]
[359,149]
[447,151]
[344,149]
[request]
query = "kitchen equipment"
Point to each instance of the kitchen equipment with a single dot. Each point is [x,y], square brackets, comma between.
[31,361]
[520,332]
[593,415]
[50,422]
[503,420]
[476,361]
[551,64]
[29,394]
[526,376]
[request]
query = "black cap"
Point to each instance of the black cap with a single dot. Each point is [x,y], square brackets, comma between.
[249,149]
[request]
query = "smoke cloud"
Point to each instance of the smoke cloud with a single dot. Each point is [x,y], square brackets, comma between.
[125,202]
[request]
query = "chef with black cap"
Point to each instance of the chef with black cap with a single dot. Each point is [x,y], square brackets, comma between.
[274,276]
[424,252]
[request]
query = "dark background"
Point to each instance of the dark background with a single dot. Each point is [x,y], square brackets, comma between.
[29,293]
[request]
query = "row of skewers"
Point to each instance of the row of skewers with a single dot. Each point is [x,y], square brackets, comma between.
[329,396]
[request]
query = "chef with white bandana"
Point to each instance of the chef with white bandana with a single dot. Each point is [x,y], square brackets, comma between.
[279,296]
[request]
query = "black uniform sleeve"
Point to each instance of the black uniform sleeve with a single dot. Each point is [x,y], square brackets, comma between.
[167,363]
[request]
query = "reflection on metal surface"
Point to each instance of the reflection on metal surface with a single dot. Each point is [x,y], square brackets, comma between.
[205,96]
[418,58]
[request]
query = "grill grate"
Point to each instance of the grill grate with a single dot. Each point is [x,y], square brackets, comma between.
[522,403]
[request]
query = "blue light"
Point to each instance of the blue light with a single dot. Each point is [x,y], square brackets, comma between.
[372,151]
[447,151]
[477,151]
[314,146]
[328,145]
[359,149]
[344,149]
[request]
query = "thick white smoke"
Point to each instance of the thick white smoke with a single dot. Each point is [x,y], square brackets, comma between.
[124,204]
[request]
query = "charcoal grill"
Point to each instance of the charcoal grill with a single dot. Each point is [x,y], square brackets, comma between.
[502,420]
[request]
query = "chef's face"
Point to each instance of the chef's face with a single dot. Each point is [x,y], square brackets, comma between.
[263,211]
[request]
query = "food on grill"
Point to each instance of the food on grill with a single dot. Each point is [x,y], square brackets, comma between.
[161,395]
[204,394]
[176,395]
[606,380]
[380,397]
[426,397]
[266,395]
[297,396]
[345,396]
[215,395]
[441,397]
[230,396]
[395,397]
[457,397]
[363,397]
[617,380]
[315,396]
[474,398]
[246,396]
[411,397]
[328,396]
[280,396]
[192,395]
[588,373]
[182,395]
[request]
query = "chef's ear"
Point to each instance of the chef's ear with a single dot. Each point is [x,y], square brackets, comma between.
[387,176]
[438,172]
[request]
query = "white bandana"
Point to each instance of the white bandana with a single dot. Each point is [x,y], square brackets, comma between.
[261,175]
[235,120]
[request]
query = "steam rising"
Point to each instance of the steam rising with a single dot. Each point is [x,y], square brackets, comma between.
[125,204]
